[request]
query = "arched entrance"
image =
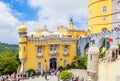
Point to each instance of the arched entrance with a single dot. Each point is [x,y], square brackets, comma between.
[86,48]
[53,63]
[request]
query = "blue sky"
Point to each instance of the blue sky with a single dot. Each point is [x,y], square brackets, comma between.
[37,13]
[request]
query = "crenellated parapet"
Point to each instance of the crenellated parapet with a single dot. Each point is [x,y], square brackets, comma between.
[46,39]
[99,40]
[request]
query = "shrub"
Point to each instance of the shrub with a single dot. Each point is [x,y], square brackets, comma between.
[119,46]
[64,75]
[61,68]
[102,55]
[31,70]
[68,66]
[80,62]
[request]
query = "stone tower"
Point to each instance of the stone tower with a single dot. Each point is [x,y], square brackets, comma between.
[71,24]
[100,17]
[93,61]
[22,30]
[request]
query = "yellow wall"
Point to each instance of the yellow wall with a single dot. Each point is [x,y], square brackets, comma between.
[32,59]
[76,34]
[30,54]
[95,15]
[22,47]
[108,71]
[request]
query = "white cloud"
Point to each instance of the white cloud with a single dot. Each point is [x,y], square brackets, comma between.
[58,12]
[52,13]
[8,24]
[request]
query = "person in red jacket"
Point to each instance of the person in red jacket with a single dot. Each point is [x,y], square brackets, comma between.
[76,79]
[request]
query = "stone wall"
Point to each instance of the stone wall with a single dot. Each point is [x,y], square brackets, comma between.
[109,71]
[98,39]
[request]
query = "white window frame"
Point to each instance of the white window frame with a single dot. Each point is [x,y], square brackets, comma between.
[39,50]
[53,49]
[65,50]
[39,65]
[65,63]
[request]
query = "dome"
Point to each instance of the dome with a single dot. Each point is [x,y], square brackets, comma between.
[93,50]
[114,47]
[22,28]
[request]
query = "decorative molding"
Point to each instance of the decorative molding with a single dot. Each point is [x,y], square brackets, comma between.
[22,42]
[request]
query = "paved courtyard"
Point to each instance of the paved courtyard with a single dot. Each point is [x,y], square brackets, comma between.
[76,72]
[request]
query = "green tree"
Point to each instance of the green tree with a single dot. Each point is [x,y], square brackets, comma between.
[8,63]
[64,75]
[80,62]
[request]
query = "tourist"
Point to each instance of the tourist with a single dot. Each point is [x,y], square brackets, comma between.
[45,76]
[113,56]
[76,79]
[31,74]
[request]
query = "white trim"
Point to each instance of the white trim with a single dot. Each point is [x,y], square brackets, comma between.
[38,66]
[65,63]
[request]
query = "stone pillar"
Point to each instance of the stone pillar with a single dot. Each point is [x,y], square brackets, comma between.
[117,78]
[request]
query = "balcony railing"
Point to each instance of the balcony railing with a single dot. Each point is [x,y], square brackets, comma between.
[39,55]
[66,54]
[53,53]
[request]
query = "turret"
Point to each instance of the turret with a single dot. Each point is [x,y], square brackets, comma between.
[45,28]
[93,61]
[22,30]
[71,24]
[60,28]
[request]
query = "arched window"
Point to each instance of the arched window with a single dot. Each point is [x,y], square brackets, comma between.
[104,29]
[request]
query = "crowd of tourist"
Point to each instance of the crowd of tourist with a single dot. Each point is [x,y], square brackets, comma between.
[77,78]
[22,76]
[14,77]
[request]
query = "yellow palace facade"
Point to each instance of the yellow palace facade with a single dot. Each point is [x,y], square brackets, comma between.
[42,49]
[99,15]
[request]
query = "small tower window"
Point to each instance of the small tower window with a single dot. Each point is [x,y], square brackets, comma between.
[65,62]
[104,18]
[104,9]
[24,48]
[104,29]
